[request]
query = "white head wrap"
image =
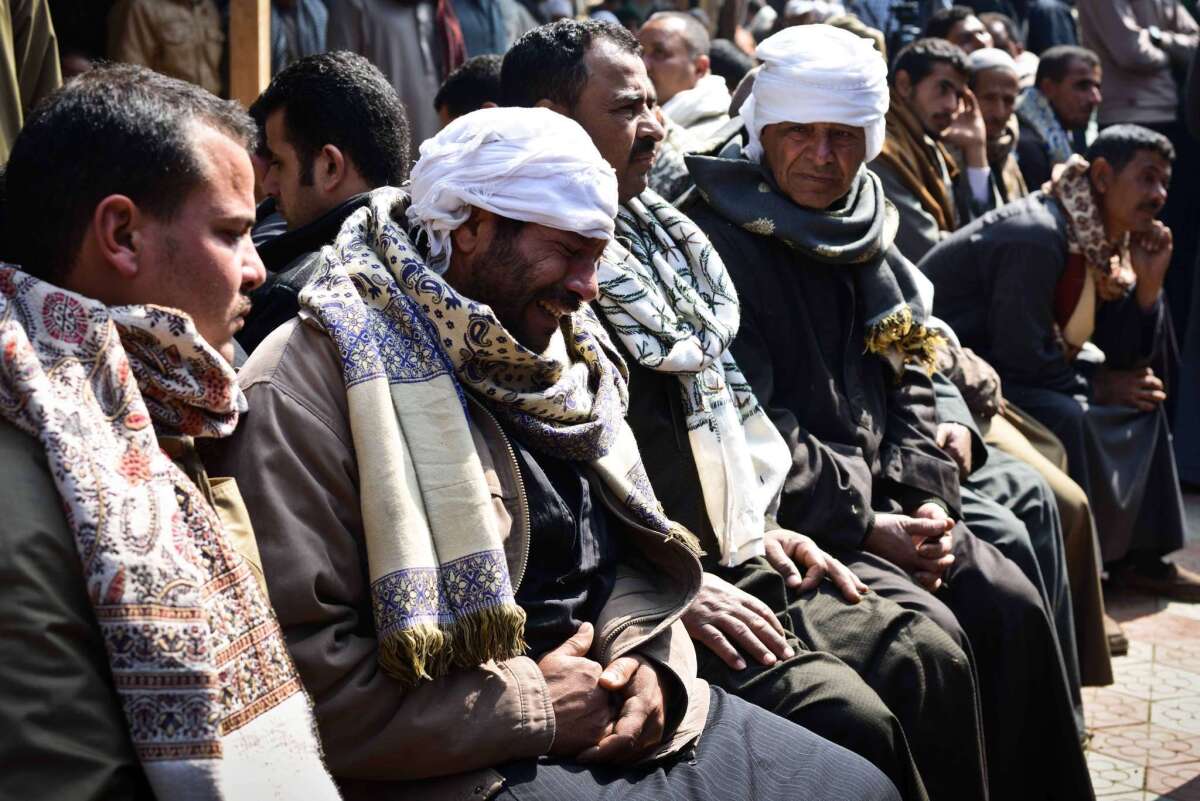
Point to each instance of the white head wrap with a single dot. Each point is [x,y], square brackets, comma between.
[818,73]
[527,164]
[991,58]
[824,8]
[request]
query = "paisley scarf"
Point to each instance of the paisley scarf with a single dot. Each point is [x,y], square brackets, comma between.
[666,293]
[410,344]
[213,703]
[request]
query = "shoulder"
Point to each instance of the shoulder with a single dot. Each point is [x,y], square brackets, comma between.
[28,494]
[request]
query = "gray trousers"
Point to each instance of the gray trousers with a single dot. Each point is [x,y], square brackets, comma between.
[744,754]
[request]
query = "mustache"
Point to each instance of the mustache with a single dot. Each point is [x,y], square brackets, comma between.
[561,298]
[243,307]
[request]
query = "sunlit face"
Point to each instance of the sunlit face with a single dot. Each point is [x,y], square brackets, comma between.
[814,163]
[936,98]
[616,108]
[202,261]
[288,179]
[970,34]
[996,90]
[1133,197]
[665,53]
[531,276]
[1076,96]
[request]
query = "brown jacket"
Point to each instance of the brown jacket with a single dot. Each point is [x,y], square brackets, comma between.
[180,38]
[295,461]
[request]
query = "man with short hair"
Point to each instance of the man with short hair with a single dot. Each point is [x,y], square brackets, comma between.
[1007,37]
[334,129]
[1056,114]
[142,658]
[477,582]
[834,343]
[828,657]
[959,26]
[1085,261]
[930,108]
[675,48]
[996,85]
[474,85]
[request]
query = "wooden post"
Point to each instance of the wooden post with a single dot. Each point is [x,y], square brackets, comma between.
[249,49]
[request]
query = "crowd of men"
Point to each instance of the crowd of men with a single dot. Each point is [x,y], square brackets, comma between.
[649,435]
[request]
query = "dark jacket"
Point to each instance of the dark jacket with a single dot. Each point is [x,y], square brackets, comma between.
[995,282]
[861,440]
[291,259]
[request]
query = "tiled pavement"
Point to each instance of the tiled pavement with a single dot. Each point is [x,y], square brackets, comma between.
[1146,726]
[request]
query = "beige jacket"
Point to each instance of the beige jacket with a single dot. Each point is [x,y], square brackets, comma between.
[1137,81]
[294,460]
[180,38]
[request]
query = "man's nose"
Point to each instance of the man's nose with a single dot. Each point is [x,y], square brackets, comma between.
[254,272]
[650,127]
[582,281]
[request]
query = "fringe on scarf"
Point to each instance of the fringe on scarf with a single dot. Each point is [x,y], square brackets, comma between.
[916,343]
[424,651]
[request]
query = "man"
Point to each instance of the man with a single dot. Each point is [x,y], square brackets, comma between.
[1056,113]
[474,85]
[1046,268]
[180,38]
[142,658]
[297,30]
[334,129]
[959,26]
[717,465]
[931,107]
[675,48]
[833,343]
[996,85]
[476,580]
[1007,37]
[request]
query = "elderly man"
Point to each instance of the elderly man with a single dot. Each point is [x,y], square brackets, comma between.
[1056,113]
[675,48]
[1084,261]
[476,580]
[141,657]
[996,85]
[931,107]
[834,345]
[828,657]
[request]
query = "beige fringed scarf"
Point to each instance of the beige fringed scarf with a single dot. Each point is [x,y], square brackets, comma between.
[410,345]
[214,706]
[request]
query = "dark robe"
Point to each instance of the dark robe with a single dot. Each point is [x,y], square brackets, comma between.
[995,282]
[862,440]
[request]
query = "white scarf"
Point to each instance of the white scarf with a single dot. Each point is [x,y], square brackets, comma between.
[666,293]
[704,106]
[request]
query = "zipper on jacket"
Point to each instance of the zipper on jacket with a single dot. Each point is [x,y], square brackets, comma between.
[522,499]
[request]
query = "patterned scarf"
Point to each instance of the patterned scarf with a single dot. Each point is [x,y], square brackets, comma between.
[856,233]
[1110,264]
[666,293]
[214,706]
[409,344]
[1034,110]
[906,151]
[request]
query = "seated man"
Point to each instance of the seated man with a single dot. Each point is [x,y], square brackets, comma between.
[833,344]
[996,86]
[675,48]
[717,464]
[1056,112]
[334,129]
[476,580]
[959,26]
[141,657]
[1027,286]
[474,85]
[1007,37]
[931,107]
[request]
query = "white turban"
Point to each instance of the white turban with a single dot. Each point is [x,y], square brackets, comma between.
[527,164]
[818,73]
[991,58]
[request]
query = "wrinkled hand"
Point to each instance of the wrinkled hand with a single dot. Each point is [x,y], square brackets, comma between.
[955,440]
[919,544]
[721,613]
[638,727]
[583,710]
[789,551]
[1141,388]
[1150,255]
[968,131]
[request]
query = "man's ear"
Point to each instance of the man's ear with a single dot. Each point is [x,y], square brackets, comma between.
[1102,175]
[903,83]
[475,234]
[703,65]
[116,234]
[550,104]
[329,168]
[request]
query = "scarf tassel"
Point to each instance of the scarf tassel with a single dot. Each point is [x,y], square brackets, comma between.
[915,343]
[427,651]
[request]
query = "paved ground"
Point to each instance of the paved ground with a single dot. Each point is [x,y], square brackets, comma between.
[1146,726]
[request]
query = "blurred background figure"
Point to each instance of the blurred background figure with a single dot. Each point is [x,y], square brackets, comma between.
[29,67]
[179,38]
[297,30]
[474,85]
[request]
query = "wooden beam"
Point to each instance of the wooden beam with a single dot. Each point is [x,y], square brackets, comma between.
[249,49]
